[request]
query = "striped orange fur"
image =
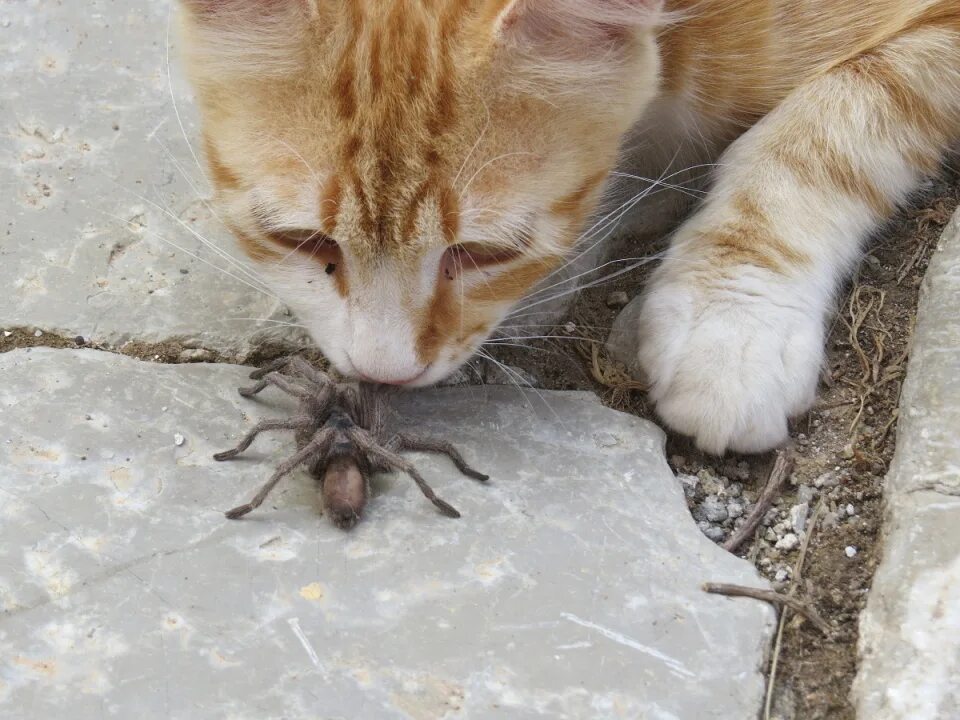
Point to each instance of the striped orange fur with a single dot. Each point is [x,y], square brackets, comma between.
[401,128]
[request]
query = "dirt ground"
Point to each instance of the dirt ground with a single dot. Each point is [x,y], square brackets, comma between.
[842,447]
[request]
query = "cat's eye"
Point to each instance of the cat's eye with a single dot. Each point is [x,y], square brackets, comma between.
[465,257]
[314,244]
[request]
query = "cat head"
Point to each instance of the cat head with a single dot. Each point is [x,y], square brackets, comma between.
[403,172]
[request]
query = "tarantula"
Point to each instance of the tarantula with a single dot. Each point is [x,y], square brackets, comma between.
[342,439]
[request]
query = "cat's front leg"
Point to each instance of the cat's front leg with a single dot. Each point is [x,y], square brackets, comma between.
[732,324]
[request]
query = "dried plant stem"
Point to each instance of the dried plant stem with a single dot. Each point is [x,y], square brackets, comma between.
[781,469]
[778,645]
[772,597]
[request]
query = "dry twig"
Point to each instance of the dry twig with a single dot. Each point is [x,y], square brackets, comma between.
[778,645]
[781,468]
[772,597]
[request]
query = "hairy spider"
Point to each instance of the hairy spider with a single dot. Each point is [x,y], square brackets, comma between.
[342,439]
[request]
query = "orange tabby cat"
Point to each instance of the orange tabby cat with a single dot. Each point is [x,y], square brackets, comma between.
[405,171]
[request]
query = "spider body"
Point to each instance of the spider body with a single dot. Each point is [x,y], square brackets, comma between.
[341,437]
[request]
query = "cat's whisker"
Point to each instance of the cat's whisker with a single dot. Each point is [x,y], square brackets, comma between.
[690,192]
[235,262]
[511,373]
[473,149]
[151,233]
[614,216]
[609,221]
[173,100]
[190,182]
[312,170]
[590,271]
[594,283]
[497,340]
[268,321]
[488,164]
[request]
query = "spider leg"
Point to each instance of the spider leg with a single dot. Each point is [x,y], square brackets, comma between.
[402,441]
[305,369]
[289,386]
[367,444]
[269,368]
[319,444]
[320,402]
[262,426]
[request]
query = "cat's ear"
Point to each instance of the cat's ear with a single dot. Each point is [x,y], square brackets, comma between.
[576,20]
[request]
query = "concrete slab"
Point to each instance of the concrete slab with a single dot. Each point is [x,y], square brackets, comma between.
[102,196]
[569,589]
[910,630]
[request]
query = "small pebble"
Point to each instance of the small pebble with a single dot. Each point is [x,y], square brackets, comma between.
[734,509]
[689,484]
[714,533]
[7,333]
[828,479]
[850,551]
[570,328]
[805,494]
[80,341]
[798,517]
[617,299]
[198,355]
[38,333]
[851,510]
[830,519]
[179,440]
[787,542]
[781,575]
[714,510]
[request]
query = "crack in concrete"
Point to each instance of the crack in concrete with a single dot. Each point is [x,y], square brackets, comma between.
[172,351]
[107,574]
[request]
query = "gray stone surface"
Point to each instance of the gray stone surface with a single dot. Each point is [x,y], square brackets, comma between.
[569,589]
[910,630]
[99,189]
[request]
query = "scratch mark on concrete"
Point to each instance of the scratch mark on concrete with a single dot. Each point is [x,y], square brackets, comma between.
[304,640]
[675,665]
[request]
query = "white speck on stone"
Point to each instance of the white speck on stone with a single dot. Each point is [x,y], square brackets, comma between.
[179,439]
[7,333]
[850,551]
[787,542]
[38,333]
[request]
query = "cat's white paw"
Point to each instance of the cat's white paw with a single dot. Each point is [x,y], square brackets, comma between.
[729,364]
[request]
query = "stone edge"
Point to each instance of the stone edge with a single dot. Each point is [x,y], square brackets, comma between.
[890,656]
